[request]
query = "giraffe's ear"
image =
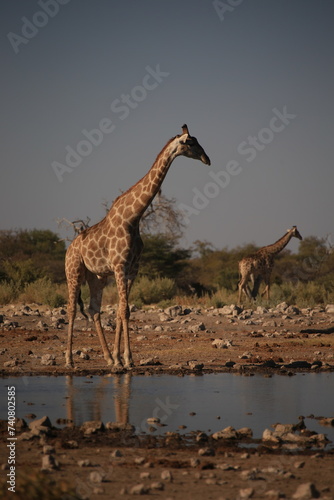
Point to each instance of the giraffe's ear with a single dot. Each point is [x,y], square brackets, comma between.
[185,129]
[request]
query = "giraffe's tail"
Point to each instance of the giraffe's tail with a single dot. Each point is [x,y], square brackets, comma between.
[81,305]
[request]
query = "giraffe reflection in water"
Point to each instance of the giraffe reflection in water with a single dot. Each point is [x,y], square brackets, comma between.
[121,392]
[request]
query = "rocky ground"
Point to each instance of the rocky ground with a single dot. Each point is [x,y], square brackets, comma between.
[103,461]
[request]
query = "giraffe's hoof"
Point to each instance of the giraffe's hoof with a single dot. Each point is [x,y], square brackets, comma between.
[129,365]
[69,364]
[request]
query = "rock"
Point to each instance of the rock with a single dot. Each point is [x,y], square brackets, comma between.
[327,421]
[251,474]
[139,460]
[306,491]
[141,337]
[245,493]
[145,475]
[97,476]
[227,433]
[26,436]
[91,427]
[268,435]
[299,464]
[167,476]
[274,494]
[153,420]
[164,317]
[84,355]
[49,463]
[85,463]
[292,310]
[173,311]
[202,437]
[221,344]
[149,362]
[48,360]
[282,306]
[206,452]
[329,309]
[139,489]
[10,364]
[116,454]
[42,326]
[244,432]
[193,365]
[48,450]
[261,310]
[198,327]
[270,324]
[157,485]
[194,462]
[40,425]
[20,423]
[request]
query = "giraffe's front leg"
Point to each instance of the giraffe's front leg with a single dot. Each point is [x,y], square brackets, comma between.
[117,344]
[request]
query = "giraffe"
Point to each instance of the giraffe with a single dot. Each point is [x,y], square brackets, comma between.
[259,265]
[113,247]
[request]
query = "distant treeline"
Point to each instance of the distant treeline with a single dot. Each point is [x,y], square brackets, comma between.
[28,256]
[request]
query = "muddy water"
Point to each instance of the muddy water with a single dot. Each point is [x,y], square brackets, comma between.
[208,403]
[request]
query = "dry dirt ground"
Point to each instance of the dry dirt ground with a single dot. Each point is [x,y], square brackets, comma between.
[103,463]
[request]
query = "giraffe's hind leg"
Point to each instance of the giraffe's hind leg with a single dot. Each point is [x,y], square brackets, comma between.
[96,286]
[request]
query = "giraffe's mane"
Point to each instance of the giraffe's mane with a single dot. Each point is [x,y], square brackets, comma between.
[275,243]
[158,155]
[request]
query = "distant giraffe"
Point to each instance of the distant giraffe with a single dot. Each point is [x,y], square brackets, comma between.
[113,247]
[259,265]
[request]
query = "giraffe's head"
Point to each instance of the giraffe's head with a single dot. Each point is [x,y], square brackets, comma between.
[189,146]
[294,232]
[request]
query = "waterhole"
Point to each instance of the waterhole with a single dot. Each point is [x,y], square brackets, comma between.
[207,403]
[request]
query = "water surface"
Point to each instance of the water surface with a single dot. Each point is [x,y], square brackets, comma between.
[208,403]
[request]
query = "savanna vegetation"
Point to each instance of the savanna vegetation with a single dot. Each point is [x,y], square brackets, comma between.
[32,267]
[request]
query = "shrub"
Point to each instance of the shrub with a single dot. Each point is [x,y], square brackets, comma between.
[43,291]
[146,291]
[8,293]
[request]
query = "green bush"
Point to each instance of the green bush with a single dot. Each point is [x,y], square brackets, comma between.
[8,293]
[146,291]
[43,291]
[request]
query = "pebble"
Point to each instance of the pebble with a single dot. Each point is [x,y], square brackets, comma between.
[306,491]
[167,476]
[116,454]
[84,463]
[157,485]
[245,493]
[139,489]
[96,477]
[49,463]
[48,360]
[206,452]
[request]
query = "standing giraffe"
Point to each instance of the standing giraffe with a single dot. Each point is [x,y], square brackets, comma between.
[259,265]
[113,247]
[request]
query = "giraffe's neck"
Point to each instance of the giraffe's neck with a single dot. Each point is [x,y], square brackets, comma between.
[137,199]
[278,245]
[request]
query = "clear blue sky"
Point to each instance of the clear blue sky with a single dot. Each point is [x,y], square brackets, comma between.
[253,81]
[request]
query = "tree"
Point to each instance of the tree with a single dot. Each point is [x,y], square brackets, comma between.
[26,255]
